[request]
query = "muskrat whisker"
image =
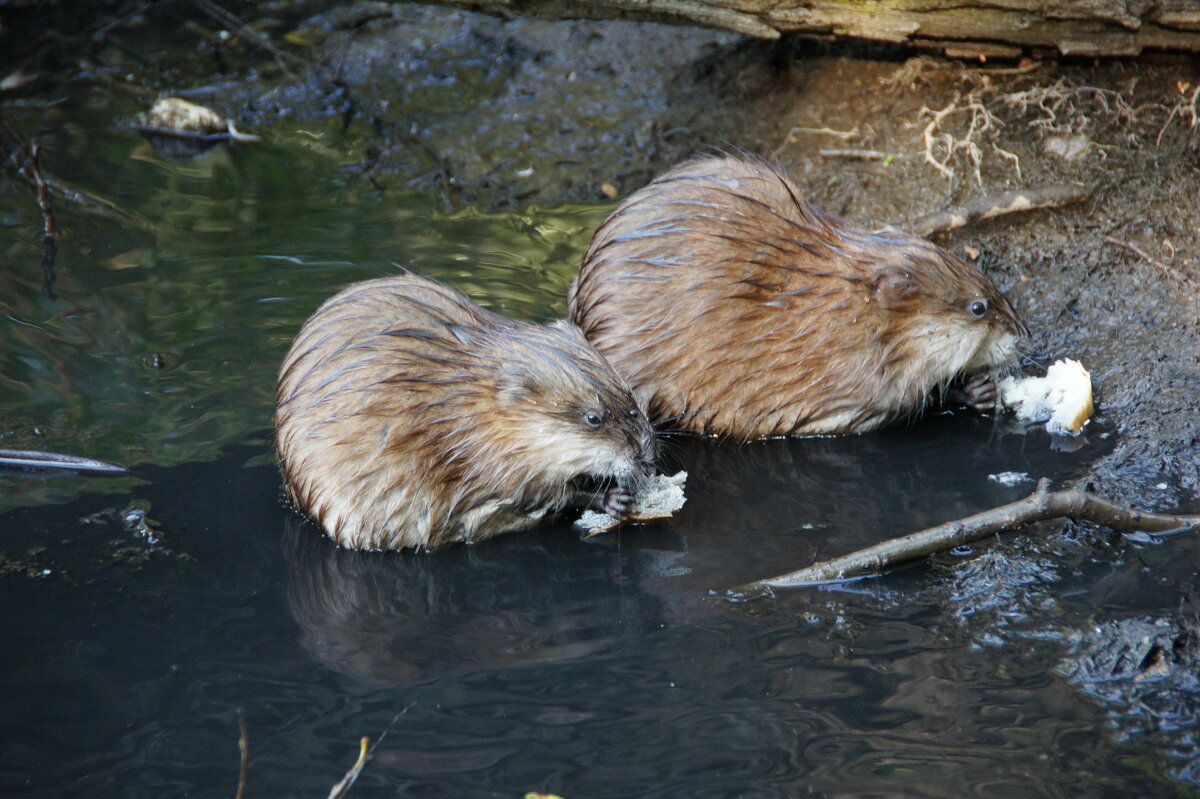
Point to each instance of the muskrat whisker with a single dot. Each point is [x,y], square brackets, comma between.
[1034,359]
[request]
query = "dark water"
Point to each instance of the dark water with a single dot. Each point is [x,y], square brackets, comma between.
[537,661]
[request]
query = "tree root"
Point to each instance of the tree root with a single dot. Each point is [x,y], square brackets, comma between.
[1039,506]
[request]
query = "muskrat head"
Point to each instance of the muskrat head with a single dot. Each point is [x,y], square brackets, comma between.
[955,321]
[574,415]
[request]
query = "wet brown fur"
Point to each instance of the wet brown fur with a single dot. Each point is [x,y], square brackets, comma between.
[735,307]
[408,416]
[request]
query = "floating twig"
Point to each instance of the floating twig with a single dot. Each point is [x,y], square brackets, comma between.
[343,787]
[1008,202]
[244,749]
[49,227]
[1039,506]
[32,460]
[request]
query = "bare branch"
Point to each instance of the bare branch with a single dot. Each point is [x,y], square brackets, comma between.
[235,24]
[1139,252]
[861,155]
[1039,506]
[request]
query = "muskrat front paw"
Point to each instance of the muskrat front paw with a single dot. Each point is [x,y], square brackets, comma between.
[617,502]
[980,393]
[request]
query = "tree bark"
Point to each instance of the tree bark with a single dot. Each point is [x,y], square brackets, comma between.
[963,28]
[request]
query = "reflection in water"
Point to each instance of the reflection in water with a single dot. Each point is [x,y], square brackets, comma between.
[175,309]
[399,617]
[534,661]
[546,597]
[768,507]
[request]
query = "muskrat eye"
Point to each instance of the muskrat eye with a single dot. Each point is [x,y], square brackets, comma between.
[593,419]
[633,413]
[978,308]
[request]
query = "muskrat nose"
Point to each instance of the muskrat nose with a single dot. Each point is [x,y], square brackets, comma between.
[1009,314]
[647,448]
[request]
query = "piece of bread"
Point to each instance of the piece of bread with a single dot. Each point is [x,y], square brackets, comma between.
[1062,399]
[660,497]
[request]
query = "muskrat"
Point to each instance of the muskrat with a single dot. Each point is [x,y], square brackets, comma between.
[408,416]
[734,307]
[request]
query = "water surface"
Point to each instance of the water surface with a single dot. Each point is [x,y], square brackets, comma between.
[141,613]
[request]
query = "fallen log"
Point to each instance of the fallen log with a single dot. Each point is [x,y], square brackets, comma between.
[962,28]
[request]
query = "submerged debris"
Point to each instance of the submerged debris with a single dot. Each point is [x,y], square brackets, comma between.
[1147,671]
[131,520]
[179,129]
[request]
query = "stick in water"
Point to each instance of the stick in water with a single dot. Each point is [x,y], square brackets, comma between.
[54,461]
[49,226]
[244,757]
[1039,506]
[342,788]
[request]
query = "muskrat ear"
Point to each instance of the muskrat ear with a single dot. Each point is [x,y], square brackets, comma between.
[516,383]
[893,284]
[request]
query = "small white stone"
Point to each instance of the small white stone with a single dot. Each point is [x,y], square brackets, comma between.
[1070,148]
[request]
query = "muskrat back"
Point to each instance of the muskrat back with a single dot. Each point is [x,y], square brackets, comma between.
[735,307]
[408,416]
